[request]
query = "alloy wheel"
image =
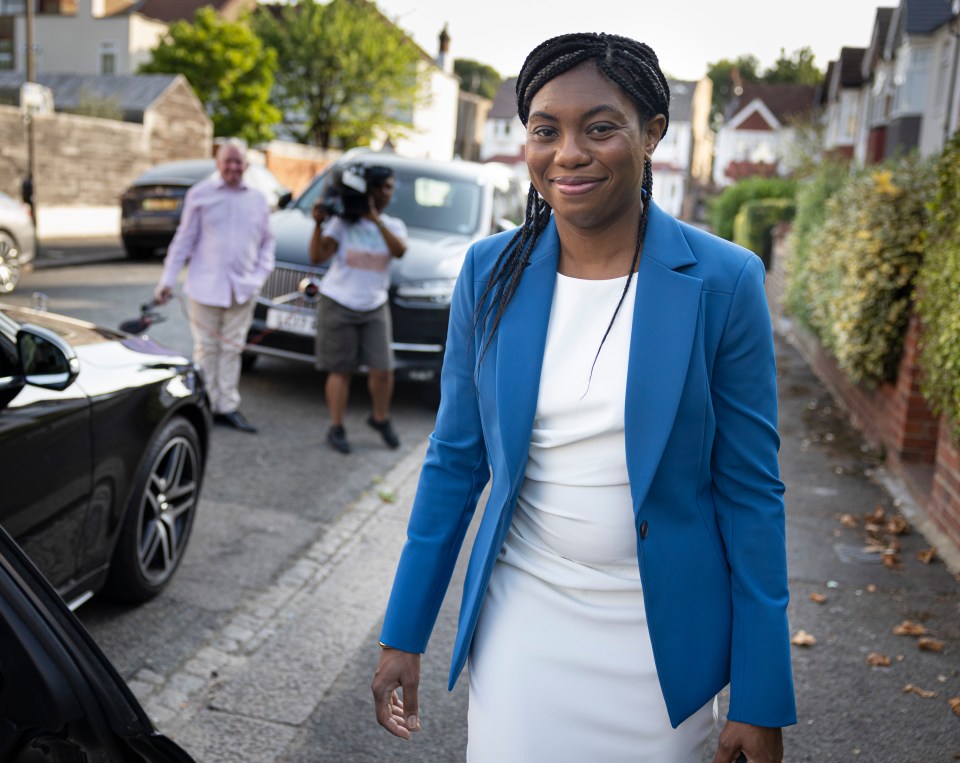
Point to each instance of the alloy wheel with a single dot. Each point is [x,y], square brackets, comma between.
[166,509]
[9,263]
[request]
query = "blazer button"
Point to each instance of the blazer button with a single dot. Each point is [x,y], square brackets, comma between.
[643,529]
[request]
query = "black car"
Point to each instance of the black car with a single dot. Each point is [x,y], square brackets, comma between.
[60,698]
[446,206]
[150,208]
[103,444]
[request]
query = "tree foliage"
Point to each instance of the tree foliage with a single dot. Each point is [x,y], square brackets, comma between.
[229,69]
[344,71]
[476,77]
[797,69]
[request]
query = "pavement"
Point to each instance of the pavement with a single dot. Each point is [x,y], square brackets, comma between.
[287,679]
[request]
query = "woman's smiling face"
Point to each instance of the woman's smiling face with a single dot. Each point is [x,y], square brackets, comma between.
[586,145]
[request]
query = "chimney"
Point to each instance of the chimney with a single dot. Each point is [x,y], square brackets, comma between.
[91,8]
[444,60]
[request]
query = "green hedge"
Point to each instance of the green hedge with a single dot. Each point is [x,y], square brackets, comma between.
[862,264]
[723,209]
[753,225]
[939,291]
[812,197]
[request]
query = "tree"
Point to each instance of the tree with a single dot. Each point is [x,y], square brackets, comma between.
[228,67]
[476,77]
[344,72]
[798,69]
[727,75]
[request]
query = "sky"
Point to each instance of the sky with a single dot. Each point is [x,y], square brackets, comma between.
[687,35]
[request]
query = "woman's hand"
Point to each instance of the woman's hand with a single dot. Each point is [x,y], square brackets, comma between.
[758,744]
[397,670]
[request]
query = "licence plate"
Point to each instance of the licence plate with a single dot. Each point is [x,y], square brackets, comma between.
[296,323]
[159,205]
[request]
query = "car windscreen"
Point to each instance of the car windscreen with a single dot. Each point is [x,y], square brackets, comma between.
[434,202]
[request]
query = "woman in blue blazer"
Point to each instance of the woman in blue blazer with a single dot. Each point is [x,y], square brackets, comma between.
[699,413]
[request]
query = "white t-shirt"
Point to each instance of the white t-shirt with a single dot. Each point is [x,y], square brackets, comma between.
[358,277]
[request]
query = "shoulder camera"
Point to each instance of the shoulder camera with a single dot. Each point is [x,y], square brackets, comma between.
[346,194]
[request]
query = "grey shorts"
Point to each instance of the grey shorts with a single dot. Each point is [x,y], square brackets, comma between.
[347,339]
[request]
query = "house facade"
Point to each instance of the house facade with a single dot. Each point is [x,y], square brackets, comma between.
[755,139]
[843,115]
[95,36]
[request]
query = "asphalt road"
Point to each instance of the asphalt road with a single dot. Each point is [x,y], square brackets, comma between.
[266,497]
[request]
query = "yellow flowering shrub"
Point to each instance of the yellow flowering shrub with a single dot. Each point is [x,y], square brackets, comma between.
[862,263]
[938,289]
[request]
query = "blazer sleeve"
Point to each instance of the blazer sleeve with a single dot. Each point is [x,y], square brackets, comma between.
[748,495]
[454,474]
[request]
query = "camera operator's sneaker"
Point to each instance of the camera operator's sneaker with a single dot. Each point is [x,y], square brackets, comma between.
[385,428]
[337,437]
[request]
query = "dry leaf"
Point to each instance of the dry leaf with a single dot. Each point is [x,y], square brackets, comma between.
[871,588]
[911,689]
[878,515]
[802,638]
[848,520]
[873,528]
[955,705]
[890,560]
[877,660]
[927,644]
[909,628]
[927,555]
[818,598]
[898,526]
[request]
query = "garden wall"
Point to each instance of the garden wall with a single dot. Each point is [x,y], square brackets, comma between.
[893,417]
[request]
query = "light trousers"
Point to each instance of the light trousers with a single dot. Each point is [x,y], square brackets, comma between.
[219,335]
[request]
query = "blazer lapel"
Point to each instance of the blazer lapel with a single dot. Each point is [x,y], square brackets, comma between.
[664,327]
[521,339]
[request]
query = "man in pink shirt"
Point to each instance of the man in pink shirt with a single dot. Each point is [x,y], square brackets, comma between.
[224,239]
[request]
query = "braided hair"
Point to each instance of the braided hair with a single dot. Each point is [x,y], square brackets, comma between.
[631,65]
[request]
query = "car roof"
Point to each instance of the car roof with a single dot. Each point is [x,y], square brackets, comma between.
[453,168]
[178,173]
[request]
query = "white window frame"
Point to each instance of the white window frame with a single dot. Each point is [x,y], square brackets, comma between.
[104,49]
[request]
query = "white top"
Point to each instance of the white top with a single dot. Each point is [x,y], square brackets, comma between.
[575,499]
[358,277]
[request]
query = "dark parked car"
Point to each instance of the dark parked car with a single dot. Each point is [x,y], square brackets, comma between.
[18,243]
[150,208]
[446,205]
[60,698]
[103,443]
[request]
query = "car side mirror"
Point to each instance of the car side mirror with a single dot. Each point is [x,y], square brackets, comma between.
[502,224]
[284,199]
[46,360]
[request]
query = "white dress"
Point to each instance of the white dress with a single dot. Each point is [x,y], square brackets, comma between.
[561,667]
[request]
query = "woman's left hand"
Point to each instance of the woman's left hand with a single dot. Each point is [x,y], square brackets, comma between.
[758,744]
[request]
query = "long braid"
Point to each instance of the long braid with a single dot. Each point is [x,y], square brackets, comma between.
[634,67]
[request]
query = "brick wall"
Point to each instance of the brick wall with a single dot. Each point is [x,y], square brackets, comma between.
[295,165]
[944,506]
[893,416]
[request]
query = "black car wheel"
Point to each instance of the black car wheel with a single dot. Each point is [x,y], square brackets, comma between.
[160,514]
[9,263]
[137,251]
[248,360]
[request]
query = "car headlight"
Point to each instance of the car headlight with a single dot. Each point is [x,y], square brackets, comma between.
[433,293]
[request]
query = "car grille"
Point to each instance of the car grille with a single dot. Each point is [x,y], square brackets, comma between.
[282,286]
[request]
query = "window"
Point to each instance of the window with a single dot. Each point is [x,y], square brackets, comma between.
[108,57]
[910,79]
[7,44]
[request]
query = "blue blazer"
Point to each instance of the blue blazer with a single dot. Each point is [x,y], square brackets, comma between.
[701,446]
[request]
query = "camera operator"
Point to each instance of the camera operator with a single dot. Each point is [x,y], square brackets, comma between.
[353,318]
